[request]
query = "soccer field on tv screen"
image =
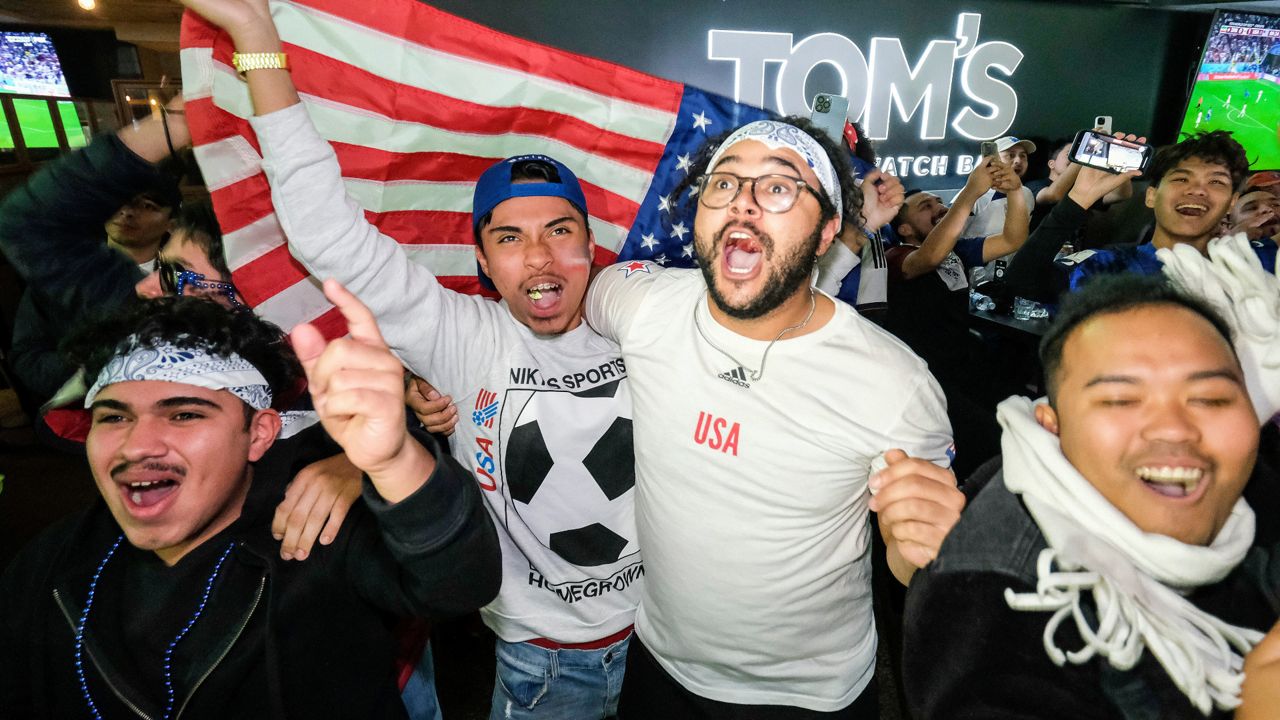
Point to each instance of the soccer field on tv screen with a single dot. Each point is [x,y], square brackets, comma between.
[1254,120]
[37,125]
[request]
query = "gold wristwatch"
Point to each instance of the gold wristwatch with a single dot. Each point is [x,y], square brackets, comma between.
[245,62]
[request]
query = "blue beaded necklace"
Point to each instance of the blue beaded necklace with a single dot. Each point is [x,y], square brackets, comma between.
[168,653]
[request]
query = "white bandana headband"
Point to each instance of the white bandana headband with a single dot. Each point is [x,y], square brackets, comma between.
[190,366]
[1134,577]
[774,135]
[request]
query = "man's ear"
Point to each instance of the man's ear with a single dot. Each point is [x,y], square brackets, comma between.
[263,430]
[480,258]
[1151,196]
[829,233]
[1047,417]
[591,245]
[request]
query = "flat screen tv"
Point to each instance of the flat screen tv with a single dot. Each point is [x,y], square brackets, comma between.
[1237,85]
[29,65]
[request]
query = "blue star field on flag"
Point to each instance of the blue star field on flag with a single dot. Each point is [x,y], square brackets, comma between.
[659,233]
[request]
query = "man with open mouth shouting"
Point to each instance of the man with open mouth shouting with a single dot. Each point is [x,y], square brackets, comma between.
[754,458]
[546,426]
[169,597]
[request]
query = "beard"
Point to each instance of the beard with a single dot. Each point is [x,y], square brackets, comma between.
[788,276]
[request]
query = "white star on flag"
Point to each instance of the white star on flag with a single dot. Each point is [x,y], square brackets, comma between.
[664,205]
[648,242]
[687,250]
[684,162]
[679,230]
[701,121]
[661,259]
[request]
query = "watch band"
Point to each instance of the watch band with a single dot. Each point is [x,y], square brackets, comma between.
[244,62]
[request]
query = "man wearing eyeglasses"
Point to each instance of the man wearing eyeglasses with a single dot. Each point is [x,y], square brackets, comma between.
[52,230]
[760,406]
[192,262]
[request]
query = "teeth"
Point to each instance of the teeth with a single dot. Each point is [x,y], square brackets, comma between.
[1192,206]
[536,291]
[739,235]
[141,484]
[1187,476]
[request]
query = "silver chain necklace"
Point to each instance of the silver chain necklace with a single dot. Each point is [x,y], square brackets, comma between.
[754,374]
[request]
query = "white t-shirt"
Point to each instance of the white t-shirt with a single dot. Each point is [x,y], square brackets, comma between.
[545,421]
[751,499]
[989,212]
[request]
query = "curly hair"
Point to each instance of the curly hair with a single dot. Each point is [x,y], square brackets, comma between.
[683,200]
[192,322]
[1217,147]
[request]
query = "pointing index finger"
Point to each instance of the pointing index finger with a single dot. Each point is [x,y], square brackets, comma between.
[360,321]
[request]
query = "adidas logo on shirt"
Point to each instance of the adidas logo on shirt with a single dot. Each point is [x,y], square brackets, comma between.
[737,376]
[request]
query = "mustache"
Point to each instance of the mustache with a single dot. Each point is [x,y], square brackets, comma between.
[151,465]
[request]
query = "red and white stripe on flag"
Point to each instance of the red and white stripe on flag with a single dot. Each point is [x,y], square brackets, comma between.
[417,103]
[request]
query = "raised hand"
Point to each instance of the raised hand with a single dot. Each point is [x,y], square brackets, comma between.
[357,388]
[980,177]
[1004,179]
[248,22]
[882,196]
[1093,184]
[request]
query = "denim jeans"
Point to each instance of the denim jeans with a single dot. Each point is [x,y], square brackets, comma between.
[419,694]
[534,682]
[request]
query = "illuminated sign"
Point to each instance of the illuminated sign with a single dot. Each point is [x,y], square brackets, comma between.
[887,82]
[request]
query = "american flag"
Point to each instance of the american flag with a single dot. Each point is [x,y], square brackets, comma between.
[417,103]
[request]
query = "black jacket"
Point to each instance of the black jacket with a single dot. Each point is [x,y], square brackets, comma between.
[51,230]
[1032,273]
[968,655]
[279,639]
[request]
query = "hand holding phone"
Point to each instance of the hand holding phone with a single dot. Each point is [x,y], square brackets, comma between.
[1110,154]
[980,178]
[1093,183]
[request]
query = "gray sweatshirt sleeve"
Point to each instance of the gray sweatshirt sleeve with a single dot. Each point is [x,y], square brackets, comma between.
[431,328]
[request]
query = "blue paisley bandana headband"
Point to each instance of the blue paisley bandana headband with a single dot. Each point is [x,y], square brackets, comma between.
[168,362]
[773,135]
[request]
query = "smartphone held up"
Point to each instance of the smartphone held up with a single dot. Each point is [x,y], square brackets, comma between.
[1111,154]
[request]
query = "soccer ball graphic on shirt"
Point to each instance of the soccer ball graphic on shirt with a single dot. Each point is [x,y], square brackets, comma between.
[570,472]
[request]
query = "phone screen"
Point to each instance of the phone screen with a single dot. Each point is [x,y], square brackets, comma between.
[1109,153]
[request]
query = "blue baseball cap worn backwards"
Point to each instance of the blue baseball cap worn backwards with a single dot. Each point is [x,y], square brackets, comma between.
[496,185]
